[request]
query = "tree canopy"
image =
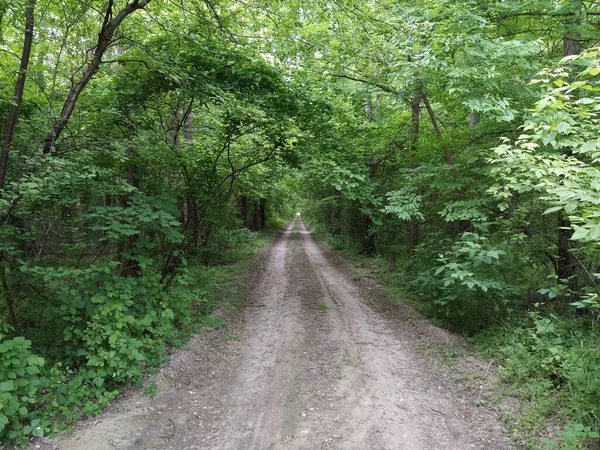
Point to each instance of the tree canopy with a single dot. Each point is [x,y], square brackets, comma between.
[457,140]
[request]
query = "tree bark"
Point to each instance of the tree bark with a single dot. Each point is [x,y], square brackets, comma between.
[415,108]
[369,108]
[413,224]
[572,38]
[109,26]
[188,126]
[13,112]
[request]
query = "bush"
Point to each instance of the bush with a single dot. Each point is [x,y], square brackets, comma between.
[336,242]
[113,328]
[465,283]
[20,384]
[112,324]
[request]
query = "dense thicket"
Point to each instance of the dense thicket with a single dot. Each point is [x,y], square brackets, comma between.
[457,140]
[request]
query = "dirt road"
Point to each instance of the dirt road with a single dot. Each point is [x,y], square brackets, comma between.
[311,365]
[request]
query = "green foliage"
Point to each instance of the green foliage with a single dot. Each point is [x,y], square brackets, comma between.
[115,330]
[557,153]
[550,357]
[380,125]
[140,217]
[336,242]
[20,384]
[467,283]
[110,323]
[403,204]
[573,437]
[150,390]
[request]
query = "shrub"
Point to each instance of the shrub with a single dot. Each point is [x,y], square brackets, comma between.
[466,282]
[20,384]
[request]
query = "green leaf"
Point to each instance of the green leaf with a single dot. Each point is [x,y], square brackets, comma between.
[563,126]
[3,421]
[32,370]
[7,386]
[580,233]
[596,233]
[553,209]
[493,254]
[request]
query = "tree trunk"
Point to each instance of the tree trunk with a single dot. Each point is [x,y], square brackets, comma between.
[438,133]
[413,224]
[474,119]
[13,112]
[262,213]
[244,210]
[188,126]
[369,108]
[368,239]
[571,46]
[572,38]
[415,121]
[392,263]
[109,26]
[414,230]
[12,317]
[129,267]
[565,267]
[564,262]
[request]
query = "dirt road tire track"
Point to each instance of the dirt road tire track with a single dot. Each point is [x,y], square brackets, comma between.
[315,367]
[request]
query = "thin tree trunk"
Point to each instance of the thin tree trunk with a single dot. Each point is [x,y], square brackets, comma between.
[415,107]
[565,266]
[572,38]
[438,133]
[13,112]
[129,267]
[414,235]
[369,108]
[413,225]
[188,126]
[474,119]
[12,317]
[244,210]
[109,26]
[262,213]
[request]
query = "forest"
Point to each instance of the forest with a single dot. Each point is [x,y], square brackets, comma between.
[455,145]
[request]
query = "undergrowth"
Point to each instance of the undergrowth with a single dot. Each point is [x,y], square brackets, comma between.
[549,361]
[552,362]
[103,332]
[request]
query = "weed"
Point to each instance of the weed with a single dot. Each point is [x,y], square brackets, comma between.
[151,390]
[553,363]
